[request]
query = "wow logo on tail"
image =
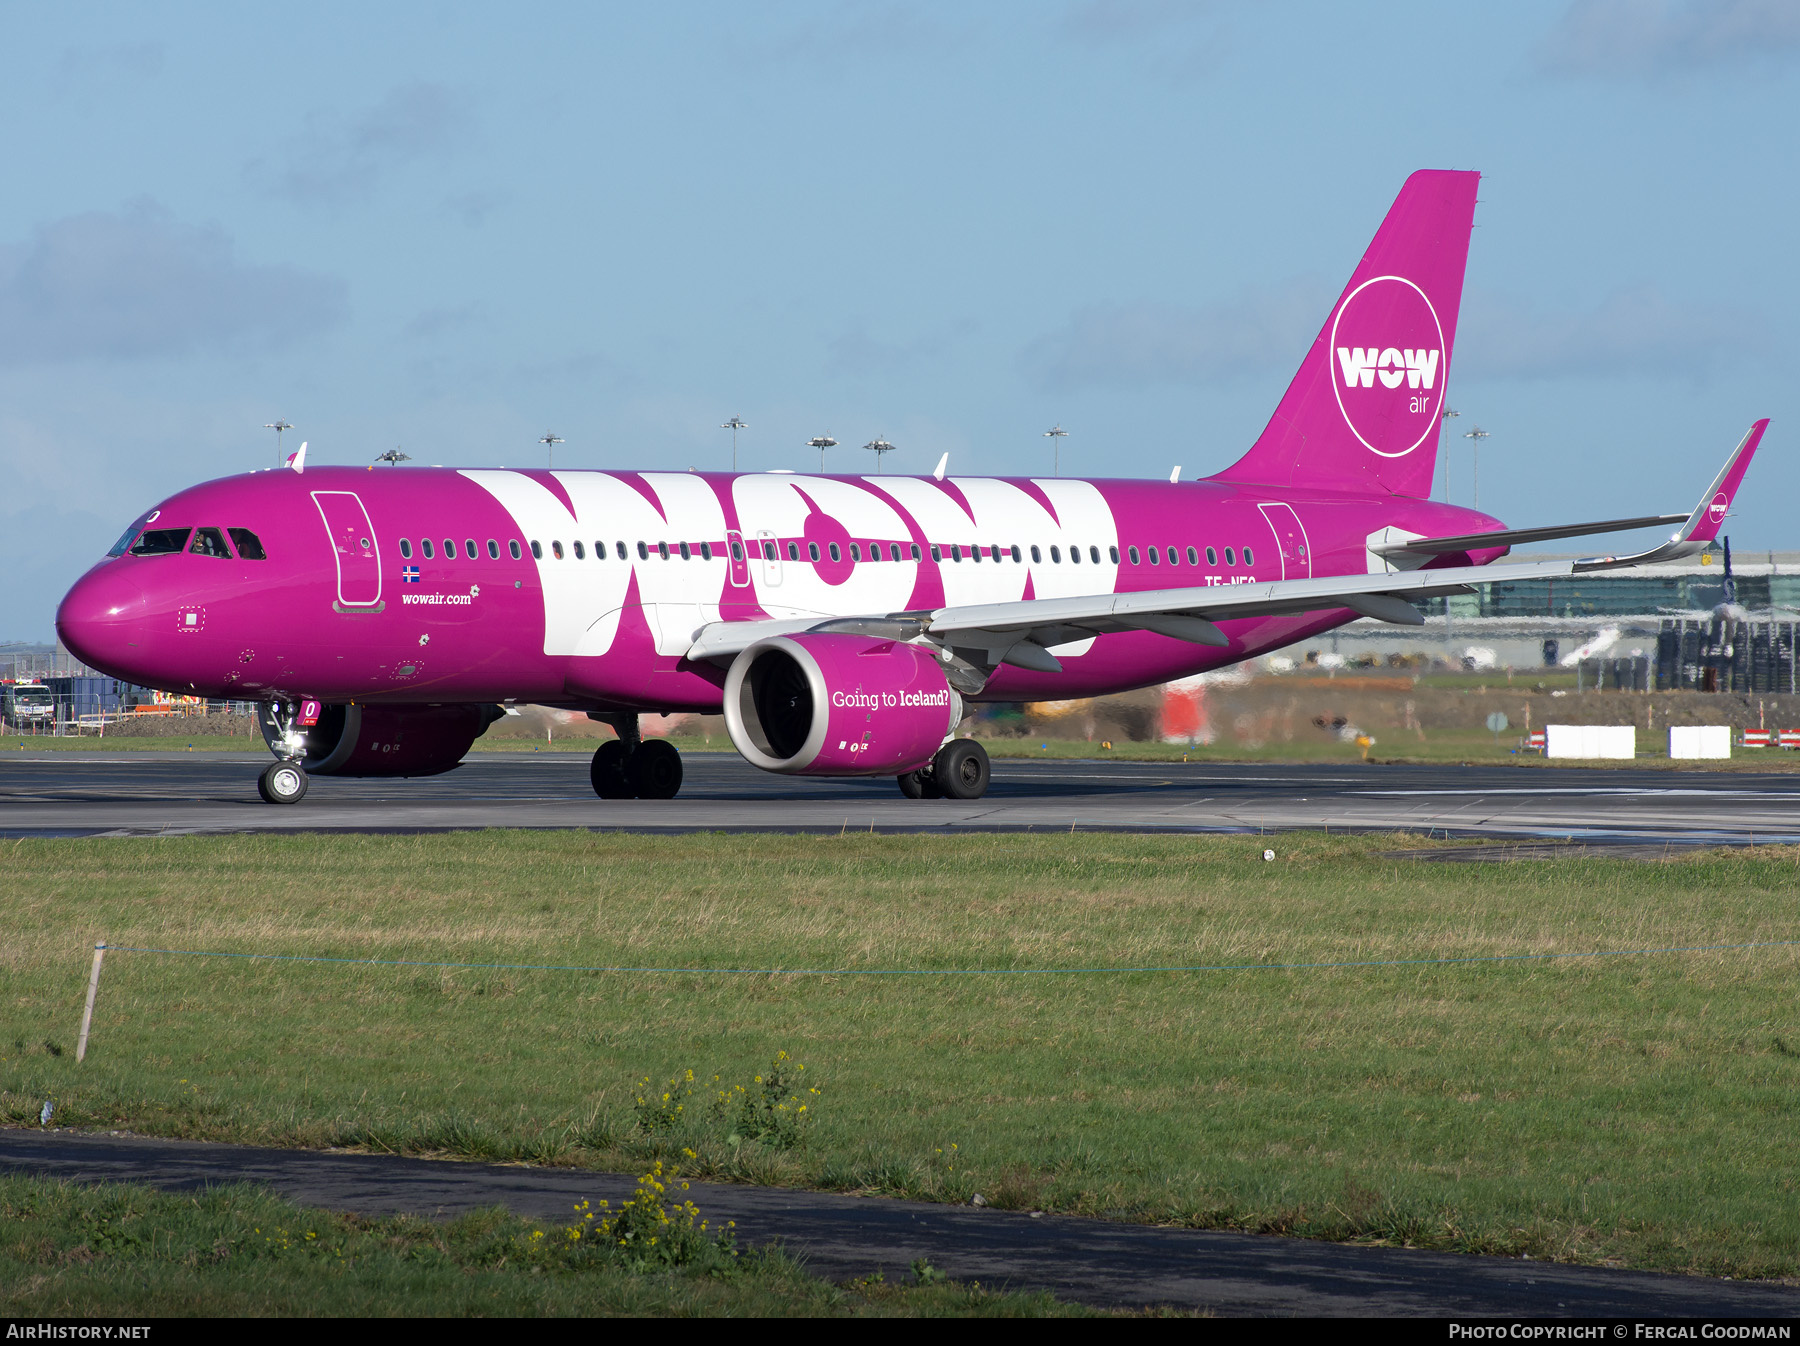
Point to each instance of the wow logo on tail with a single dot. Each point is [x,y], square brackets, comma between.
[1389,356]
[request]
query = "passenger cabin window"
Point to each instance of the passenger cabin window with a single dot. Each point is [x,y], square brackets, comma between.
[1056,555]
[915,551]
[1230,560]
[249,545]
[556,549]
[1133,553]
[737,551]
[580,551]
[1248,559]
[1155,557]
[512,545]
[855,551]
[1074,555]
[1016,555]
[160,541]
[621,553]
[1174,559]
[643,551]
[425,546]
[662,550]
[449,549]
[1114,553]
[537,550]
[706,551]
[793,551]
[469,548]
[683,548]
[812,550]
[493,550]
[210,542]
[1212,557]
[1094,555]
[937,553]
[769,553]
[405,549]
[1037,557]
[836,554]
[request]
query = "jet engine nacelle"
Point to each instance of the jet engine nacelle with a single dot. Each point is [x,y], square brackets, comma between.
[838,705]
[384,740]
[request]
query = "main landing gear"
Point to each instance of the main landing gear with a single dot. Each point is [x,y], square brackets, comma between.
[630,767]
[959,771]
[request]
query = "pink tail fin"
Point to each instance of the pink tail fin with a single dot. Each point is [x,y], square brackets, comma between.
[1364,411]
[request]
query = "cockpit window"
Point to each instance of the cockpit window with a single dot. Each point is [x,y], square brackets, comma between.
[249,546]
[210,542]
[119,547]
[160,541]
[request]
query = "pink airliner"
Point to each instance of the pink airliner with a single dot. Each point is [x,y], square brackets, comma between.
[380,619]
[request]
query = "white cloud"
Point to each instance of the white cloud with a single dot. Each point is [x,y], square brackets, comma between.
[137,283]
[1634,38]
[1145,344]
[1635,330]
[336,159]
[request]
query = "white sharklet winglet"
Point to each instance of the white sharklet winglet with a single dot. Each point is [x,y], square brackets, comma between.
[942,467]
[297,459]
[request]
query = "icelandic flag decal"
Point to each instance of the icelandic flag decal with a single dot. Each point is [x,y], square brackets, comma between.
[410,574]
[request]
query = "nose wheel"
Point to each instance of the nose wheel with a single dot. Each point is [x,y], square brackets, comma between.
[282,783]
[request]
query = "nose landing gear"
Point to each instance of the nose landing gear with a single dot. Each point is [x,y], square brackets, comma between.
[282,783]
[629,767]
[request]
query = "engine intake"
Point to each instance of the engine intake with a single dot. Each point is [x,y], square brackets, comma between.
[385,740]
[838,705]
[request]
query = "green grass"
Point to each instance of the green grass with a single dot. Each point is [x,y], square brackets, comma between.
[116,1251]
[1635,1109]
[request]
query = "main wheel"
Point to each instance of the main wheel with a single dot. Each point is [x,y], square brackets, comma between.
[608,770]
[654,770]
[919,785]
[282,783]
[960,769]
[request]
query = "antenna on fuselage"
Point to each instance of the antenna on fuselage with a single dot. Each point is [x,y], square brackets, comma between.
[821,443]
[1056,435]
[735,424]
[278,425]
[549,439]
[393,455]
[878,446]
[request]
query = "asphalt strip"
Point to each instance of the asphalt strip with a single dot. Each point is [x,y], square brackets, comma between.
[840,1237]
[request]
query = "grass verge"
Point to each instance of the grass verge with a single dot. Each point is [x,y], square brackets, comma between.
[1631,1109]
[68,1250]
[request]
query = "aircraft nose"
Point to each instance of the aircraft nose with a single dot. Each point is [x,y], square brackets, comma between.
[102,620]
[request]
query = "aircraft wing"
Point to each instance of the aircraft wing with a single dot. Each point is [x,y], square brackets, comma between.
[1021,632]
[1725,483]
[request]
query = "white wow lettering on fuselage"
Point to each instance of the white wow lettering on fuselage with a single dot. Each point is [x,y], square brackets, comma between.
[1362,365]
[776,513]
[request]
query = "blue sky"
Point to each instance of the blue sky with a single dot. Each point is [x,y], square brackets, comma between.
[449,229]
